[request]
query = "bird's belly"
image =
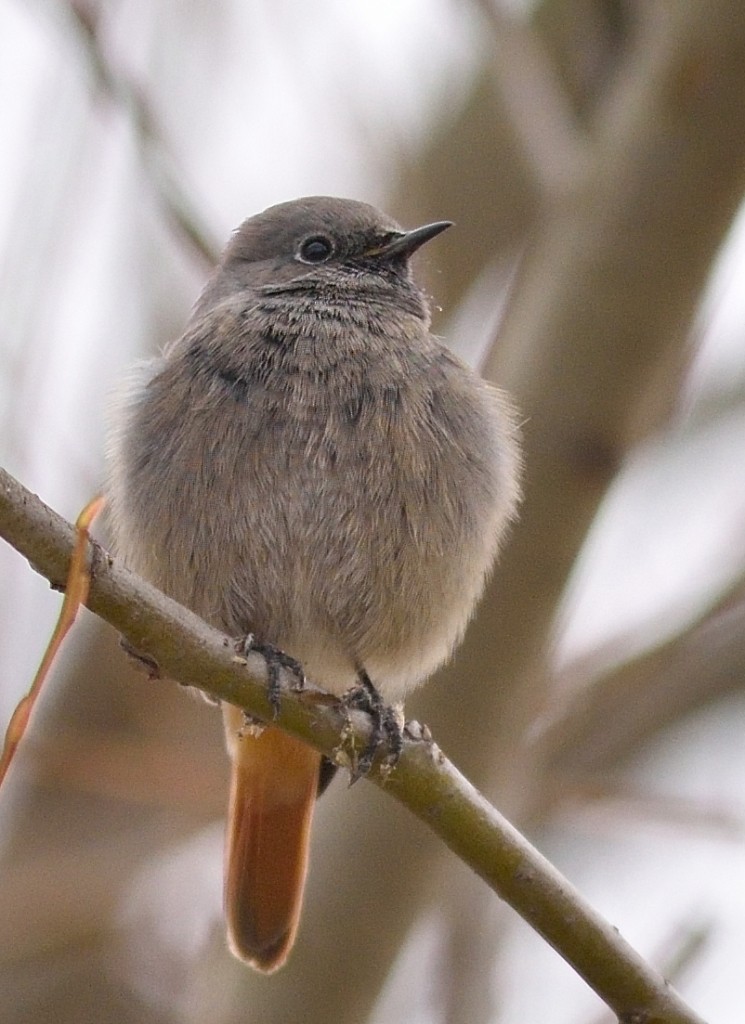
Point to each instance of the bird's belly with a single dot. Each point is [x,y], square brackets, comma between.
[339,608]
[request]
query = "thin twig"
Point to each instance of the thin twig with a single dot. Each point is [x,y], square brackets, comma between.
[158,163]
[607,713]
[424,780]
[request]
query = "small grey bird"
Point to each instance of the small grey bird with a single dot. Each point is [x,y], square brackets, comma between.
[309,465]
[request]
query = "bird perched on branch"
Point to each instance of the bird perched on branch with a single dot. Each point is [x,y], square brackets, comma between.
[307,464]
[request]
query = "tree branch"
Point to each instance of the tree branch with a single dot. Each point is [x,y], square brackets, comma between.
[606,714]
[424,780]
[157,162]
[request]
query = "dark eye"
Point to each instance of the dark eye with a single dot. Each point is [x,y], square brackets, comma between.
[316,249]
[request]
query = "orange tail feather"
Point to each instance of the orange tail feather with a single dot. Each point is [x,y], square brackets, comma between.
[272,796]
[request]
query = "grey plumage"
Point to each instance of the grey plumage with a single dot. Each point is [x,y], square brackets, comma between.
[309,464]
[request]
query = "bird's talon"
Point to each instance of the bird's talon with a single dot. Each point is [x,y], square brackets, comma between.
[387,728]
[275,659]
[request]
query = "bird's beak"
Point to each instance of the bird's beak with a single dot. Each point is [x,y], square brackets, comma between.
[409,241]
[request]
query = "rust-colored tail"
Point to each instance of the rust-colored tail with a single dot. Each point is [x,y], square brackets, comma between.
[272,796]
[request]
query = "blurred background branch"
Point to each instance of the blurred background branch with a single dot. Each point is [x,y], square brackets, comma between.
[159,164]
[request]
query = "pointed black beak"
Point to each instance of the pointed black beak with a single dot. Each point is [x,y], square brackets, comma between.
[409,241]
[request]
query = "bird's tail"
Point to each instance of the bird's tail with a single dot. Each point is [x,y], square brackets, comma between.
[272,796]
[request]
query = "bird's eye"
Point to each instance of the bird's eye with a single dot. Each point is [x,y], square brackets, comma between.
[316,249]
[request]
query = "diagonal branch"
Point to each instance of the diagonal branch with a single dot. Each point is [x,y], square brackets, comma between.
[607,714]
[424,780]
[157,161]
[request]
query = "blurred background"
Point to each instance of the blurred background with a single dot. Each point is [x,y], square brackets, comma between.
[592,155]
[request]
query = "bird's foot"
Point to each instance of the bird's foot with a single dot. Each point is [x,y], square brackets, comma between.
[387,727]
[275,659]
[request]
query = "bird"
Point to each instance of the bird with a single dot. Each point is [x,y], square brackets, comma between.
[309,466]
